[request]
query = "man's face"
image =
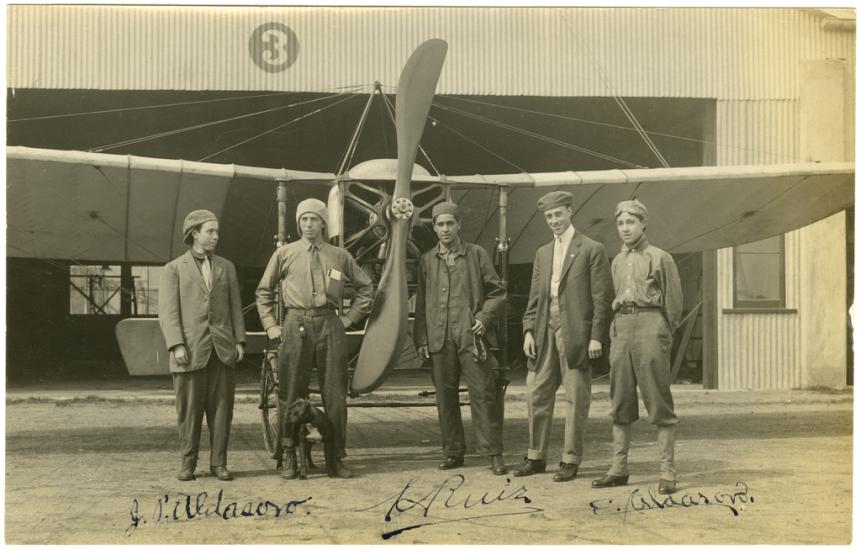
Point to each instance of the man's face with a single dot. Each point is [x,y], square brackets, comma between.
[206,238]
[311,226]
[558,218]
[447,228]
[630,228]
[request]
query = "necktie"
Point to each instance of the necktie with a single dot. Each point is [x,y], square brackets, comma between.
[206,270]
[317,282]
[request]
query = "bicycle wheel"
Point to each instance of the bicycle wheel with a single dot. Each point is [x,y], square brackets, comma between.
[269,403]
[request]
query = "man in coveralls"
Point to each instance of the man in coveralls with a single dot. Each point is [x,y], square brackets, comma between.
[311,274]
[564,328]
[200,314]
[458,303]
[648,308]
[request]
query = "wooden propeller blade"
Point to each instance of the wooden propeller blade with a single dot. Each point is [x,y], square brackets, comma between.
[387,325]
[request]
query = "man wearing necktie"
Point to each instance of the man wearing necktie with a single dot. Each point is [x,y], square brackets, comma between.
[648,307]
[200,313]
[458,303]
[311,274]
[564,329]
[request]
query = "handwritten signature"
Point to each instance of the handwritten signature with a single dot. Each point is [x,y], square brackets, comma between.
[410,501]
[733,499]
[184,507]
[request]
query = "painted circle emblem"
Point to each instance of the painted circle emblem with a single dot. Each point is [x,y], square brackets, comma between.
[274,47]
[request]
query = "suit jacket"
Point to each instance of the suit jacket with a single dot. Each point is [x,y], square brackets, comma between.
[585,297]
[485,293]
[201,319]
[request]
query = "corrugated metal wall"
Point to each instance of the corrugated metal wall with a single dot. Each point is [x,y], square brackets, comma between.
[758,350]
[678,52]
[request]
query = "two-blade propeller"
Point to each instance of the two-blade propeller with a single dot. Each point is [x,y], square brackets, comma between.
[387,325]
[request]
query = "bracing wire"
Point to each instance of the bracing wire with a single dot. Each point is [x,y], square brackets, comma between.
[209,124]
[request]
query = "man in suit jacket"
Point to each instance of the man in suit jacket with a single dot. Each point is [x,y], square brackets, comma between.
[200,313]
[564,327]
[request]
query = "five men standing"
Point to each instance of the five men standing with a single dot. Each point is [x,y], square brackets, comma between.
[200,314]
[458,304]
[564,328]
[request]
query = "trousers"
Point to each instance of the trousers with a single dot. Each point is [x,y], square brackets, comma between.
[541,386]
[205,392]
[454,360]
[309,342]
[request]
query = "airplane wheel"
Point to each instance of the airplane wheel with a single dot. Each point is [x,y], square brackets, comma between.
[269,404]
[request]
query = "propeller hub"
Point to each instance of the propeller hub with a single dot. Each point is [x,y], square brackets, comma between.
[402,208]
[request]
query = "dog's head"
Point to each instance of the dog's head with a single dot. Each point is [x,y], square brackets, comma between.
[300,411]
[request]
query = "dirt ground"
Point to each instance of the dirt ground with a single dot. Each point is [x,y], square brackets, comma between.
[754,467]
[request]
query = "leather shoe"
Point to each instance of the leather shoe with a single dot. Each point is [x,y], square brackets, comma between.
[530,467]
[667,487]
[609,480]
[451,462]
[497,466]
[186,474]
[341,471]
[566,472]
[289,471]
[222,473]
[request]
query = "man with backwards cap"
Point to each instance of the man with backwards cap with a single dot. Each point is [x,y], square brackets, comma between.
[311,274]
[564,328]
[458,303]
[200,313]
[648,308]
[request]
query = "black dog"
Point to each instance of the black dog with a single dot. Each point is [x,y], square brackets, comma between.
[302,412]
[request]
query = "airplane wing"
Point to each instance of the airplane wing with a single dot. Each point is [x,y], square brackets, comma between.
[106,208]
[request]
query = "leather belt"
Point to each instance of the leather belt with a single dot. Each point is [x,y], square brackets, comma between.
[634,309]
[314,311]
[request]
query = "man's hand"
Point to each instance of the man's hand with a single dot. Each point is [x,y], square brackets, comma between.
[240,352]
[180,354]
[274,332]
[424,353]
[595,349]
[529,345]
[346,321]
[478,328]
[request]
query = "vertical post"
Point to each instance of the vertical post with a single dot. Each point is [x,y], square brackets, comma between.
[281,239]
[710,332]
[502,245]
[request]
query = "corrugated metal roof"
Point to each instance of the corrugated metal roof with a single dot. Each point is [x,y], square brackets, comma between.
[670,52]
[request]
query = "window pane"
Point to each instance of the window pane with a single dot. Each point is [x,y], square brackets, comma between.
[146,280]
[94,290]
[758,277]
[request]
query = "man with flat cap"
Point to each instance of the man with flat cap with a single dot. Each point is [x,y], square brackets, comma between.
[564,328]
[200,313]
[648,308]
[458,304]
[311,274]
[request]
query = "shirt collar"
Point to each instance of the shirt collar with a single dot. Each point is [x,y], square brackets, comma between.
[639,246]
[308,245]
[456,248]
[198,255]
[566,236]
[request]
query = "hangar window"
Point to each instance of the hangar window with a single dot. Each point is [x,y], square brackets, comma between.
[95,289]
[759,274]
[145,279]
[127,290]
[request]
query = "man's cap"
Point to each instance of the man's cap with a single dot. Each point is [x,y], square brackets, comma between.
[554,199]
[313,206]
[195,219]
[445,208]
[633,207]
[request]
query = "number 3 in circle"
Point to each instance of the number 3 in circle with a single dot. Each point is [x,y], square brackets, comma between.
[273,46]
